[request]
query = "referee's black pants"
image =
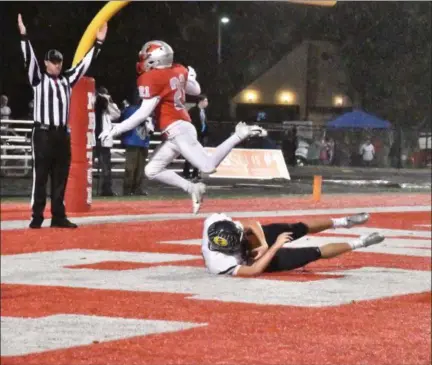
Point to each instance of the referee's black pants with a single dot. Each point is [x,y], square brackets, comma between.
[51,150]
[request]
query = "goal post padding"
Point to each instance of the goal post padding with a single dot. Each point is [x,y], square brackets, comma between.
[78,197]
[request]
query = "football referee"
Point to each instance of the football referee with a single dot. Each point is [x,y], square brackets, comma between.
[51,149]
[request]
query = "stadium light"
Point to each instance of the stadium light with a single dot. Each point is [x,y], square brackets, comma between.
[338,100]
[286,97]
[223,20]
[251,96]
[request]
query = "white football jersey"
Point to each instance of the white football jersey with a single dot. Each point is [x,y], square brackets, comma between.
[219,263]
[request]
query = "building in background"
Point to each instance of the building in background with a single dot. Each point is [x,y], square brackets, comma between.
[308,83]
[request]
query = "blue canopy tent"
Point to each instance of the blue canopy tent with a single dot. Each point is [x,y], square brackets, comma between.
[359,119]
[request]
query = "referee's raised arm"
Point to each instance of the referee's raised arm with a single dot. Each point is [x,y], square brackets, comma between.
[30,61]
[75,73]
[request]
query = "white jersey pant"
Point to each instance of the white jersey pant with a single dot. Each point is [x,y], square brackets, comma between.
[182,140]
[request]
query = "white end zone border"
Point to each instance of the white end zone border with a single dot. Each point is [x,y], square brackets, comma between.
[23,224]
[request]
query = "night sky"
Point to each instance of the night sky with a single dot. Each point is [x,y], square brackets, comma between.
[387,45]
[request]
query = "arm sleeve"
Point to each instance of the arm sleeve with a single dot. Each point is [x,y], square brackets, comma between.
[146,108]
[75,73]
[30,62]
[193,87]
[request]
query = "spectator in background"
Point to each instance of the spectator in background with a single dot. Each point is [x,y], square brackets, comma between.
[332,145]
[378,145]
[326,151]
[394,154]
[289,146]
[314,150]
[385,154]
[5,111]
[136,142]
[106,112]
[367,152]
[344,154]
[199,121]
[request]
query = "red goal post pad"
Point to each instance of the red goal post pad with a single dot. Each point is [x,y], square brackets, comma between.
[82,124]
[256,164]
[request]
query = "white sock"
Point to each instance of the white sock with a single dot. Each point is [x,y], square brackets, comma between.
[224,149]
[356,244]
[171,178]
[339,222]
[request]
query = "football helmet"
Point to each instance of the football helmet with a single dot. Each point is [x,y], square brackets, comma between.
[225,236]
[155,54]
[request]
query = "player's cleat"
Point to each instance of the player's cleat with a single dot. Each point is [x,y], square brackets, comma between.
[244,131]
[198,191]
[357,219]
[257,131]
[372,239]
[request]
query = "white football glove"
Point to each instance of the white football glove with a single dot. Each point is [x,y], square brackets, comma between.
[149,126]
[107,135]
[191,73]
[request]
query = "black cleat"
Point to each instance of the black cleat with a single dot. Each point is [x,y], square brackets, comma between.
[62,223]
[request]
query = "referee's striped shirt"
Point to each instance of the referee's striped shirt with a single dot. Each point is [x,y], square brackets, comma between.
[52,95]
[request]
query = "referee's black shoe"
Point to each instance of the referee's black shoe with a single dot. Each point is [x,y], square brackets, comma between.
[62,223]
[36,223]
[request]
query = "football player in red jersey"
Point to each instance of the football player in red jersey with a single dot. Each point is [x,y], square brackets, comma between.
[163,86]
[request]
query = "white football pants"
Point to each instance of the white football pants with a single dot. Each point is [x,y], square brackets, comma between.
[182,140]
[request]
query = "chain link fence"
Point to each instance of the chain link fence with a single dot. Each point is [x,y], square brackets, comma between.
[303,143]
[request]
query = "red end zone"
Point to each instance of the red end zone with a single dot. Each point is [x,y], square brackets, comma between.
[136,293]
[16,211]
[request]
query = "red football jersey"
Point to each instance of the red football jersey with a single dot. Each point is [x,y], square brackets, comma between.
[169,85]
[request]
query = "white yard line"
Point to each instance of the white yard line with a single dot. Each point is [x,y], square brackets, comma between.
[21,224]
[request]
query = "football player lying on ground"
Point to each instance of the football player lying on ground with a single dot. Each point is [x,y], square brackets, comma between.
[245,248]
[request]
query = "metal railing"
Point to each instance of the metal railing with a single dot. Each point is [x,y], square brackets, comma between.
[16,151]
